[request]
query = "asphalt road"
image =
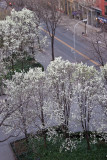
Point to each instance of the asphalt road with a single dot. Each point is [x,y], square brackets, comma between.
[64,47]
[81,45]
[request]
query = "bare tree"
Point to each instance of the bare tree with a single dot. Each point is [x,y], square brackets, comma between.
[99,47]
[48,12]
[17,4]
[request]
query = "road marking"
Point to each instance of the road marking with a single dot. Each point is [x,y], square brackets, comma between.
[86,57]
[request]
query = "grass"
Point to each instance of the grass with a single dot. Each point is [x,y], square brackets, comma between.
[27,63]
[24,64]
[97,152]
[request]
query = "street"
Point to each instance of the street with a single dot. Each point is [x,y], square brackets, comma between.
[64,47]
[81,45]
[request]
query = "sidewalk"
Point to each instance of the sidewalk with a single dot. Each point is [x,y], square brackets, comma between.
[6,152]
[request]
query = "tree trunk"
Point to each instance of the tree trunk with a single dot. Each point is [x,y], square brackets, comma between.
[25,130]
[87,140]
[52,47]
[2,91]
[39,43]
[22,65]
[12,65]
[43,131]
[44,137]
[38,39]
[26,137]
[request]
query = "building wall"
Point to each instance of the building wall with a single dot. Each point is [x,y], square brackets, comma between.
[89,9]
[69,7]
[101,4]
[98,3]
[86,11]
[62,5]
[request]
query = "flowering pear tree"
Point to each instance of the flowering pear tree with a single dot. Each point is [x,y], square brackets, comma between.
[6,112]
[26,91]
[37,81]
[102,91]
[39,100]
[103,74]
[59,79]
[19,35]
[3,72]
[60,83]
[19,98]
[85,90]
[101,100]
[28,25]
[8,45]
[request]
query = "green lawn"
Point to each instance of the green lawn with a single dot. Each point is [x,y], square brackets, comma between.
[24,65]
[97,152]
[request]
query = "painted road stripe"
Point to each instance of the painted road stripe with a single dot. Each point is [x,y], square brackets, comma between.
[86,57]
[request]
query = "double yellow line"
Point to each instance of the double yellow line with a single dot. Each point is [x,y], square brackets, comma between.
[86,57]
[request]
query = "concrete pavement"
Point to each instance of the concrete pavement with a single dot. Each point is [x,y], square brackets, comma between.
[6,152]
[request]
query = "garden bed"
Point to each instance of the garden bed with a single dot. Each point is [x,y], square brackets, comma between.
[98,151]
